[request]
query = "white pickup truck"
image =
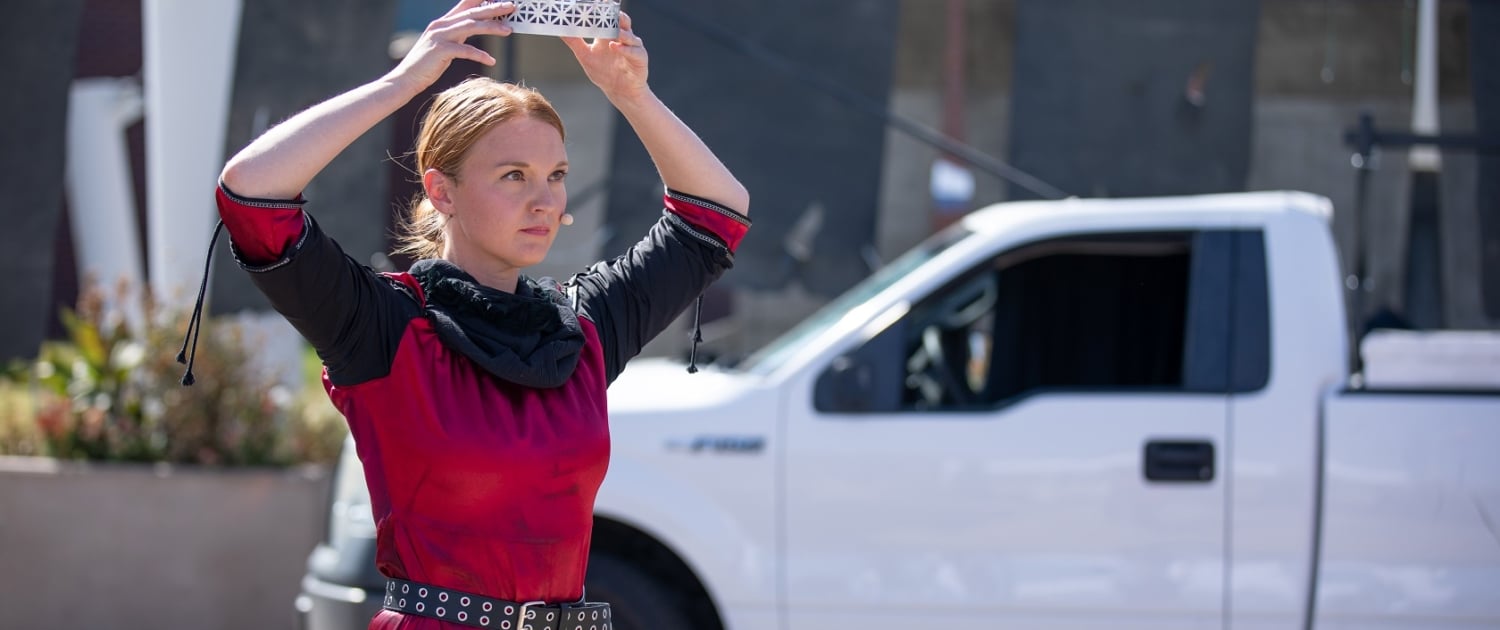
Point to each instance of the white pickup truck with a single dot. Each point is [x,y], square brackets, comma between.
[1068,414]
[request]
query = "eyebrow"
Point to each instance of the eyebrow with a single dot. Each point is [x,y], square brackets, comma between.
[520,164]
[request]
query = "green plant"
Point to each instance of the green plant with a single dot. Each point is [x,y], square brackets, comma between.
[19,434]
[110,392]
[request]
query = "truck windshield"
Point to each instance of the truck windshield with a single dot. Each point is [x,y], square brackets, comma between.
[770,357]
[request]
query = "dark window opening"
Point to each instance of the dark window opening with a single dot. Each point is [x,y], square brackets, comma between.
[1099,313]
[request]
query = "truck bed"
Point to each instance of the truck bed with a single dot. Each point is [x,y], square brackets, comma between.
[1410,508]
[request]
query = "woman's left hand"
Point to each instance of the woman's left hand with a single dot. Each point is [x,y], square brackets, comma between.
[618,66]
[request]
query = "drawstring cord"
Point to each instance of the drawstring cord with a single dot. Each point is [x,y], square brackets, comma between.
[697,336]
[195,323]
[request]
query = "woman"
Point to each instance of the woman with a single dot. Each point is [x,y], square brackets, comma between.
[476,395]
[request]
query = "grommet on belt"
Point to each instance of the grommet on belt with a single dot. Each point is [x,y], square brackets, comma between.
[478,611]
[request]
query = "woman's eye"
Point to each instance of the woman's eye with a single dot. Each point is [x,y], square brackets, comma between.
[558,176]
[514,176]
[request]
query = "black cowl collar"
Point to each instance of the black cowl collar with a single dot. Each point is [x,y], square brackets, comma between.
[530,337]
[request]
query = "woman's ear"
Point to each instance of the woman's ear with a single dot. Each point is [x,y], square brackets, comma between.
[437,185]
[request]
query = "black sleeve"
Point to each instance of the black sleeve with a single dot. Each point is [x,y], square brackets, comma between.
[631,299]
[353,316]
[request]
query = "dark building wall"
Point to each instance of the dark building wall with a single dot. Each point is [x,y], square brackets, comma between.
[1355,50]
[1132,99]
[34,105]
[795,148]
[292,55]
[1319,67]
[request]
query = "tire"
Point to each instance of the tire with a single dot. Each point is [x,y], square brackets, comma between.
[637,601]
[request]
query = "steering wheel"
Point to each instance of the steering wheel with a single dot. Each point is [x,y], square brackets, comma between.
[931,374]
[936,367]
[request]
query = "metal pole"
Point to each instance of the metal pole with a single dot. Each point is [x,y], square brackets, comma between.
[1424,110]
[1422,289]
[1358,283]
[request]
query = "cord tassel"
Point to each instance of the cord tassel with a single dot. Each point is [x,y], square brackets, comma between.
[195,323]
[697,336]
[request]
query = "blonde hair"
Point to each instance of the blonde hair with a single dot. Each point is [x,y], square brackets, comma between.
[459,116]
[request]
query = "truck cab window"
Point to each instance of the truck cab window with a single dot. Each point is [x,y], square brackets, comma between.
[1084,313]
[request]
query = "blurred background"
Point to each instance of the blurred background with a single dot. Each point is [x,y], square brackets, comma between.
[859,126]
[831,113]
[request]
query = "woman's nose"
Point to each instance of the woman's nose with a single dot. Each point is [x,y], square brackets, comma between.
[544,200]
[548,198]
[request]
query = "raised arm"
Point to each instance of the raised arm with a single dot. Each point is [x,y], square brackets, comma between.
[636,296]
[352,316]
[280,163]
[619,67]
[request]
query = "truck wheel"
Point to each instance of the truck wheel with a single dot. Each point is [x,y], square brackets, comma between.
[637,601]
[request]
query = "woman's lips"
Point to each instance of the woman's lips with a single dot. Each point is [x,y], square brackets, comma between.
[538,231]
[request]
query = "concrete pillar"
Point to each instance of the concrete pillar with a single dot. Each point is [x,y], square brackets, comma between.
[100,195]
[189,64]
[1424,111]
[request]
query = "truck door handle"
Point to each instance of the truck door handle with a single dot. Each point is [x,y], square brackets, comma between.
[1181,461]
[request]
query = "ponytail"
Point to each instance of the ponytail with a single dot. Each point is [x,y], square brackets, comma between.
[421,233]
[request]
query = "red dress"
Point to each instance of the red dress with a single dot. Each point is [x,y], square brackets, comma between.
[478,485]
[480,417]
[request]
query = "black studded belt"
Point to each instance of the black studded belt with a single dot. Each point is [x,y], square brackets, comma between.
[478,611]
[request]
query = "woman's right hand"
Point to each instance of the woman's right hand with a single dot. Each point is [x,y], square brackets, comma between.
[443,41]
[282,161]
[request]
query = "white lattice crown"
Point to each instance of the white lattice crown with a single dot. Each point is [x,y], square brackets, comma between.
[571,18]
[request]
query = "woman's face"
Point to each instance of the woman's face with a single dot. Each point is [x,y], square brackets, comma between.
[507,203]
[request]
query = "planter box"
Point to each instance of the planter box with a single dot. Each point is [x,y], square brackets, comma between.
[137,546]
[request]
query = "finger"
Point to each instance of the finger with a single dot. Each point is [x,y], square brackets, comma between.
[462,31]
[488,11]
[627,50]
[465,51]
[576,44]
[624,21]
[463,5]
[627,37]
[634,56]
[480,11]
